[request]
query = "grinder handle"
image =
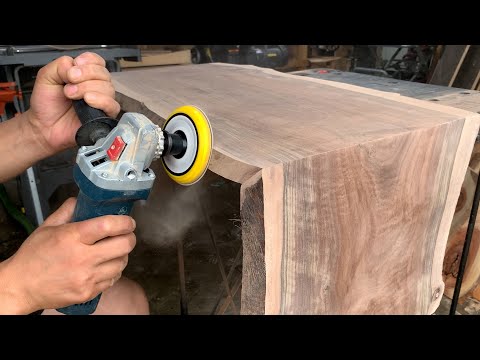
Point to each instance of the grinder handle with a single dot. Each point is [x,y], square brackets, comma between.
[86,113]
[83,211]
[87,208]
[95,123]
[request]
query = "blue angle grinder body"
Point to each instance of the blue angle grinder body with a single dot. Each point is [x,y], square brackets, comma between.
[112,167]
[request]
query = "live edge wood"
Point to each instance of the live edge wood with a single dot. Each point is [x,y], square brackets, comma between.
[347,193]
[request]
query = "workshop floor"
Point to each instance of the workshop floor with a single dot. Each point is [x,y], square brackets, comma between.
[174,213]
[169,216]
[178,215]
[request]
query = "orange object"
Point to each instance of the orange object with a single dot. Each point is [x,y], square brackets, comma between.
[8,92]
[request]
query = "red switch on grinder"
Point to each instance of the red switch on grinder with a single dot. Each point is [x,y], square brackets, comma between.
[116,149]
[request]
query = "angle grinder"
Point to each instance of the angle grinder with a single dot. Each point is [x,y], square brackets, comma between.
[112,167]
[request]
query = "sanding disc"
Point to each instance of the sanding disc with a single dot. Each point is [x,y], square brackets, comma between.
[195,126]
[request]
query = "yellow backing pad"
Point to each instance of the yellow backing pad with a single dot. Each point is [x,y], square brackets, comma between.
[205,144]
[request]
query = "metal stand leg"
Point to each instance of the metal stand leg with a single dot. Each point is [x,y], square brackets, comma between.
[118,68]
[19,86]
[37,207]
[392,58]
[10,78]
[28,178]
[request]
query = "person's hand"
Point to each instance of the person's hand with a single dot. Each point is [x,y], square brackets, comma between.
[51,114]
[62,263]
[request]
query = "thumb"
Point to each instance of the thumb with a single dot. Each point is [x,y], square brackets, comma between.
[63,215]
[55,72]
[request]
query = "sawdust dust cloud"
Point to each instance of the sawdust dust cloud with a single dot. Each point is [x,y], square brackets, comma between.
[168,214]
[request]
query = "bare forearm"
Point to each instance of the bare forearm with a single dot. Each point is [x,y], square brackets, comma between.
[11,301]
[20,147]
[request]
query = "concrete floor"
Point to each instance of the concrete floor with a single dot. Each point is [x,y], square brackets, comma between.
[174,213]
[467,306]
[171,216]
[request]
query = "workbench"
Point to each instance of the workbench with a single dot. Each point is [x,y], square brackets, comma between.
[444,95]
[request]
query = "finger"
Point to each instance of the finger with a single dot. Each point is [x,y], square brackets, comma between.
[92,230]
[117,278]
[110,282]
[114,247]
[55,72]
[111,269]
[63,215]
[104,102]
[77,91]
[102,286]
[89,58]
[77,74]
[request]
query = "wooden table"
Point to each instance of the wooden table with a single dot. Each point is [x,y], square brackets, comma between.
[347,193]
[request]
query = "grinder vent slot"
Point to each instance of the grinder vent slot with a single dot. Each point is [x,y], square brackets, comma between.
[99,161]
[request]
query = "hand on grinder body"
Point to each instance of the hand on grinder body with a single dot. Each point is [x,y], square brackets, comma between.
[70,262]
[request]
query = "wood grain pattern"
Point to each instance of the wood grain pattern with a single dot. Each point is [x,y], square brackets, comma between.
[467,75]
[462,99]
[297,57]
[466,100]
[474,163]
[157,58]
[448,64]
[456,241]
[253,235]
[459,65]
[347,193]
[347,246]
[433,65]
[476,82]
